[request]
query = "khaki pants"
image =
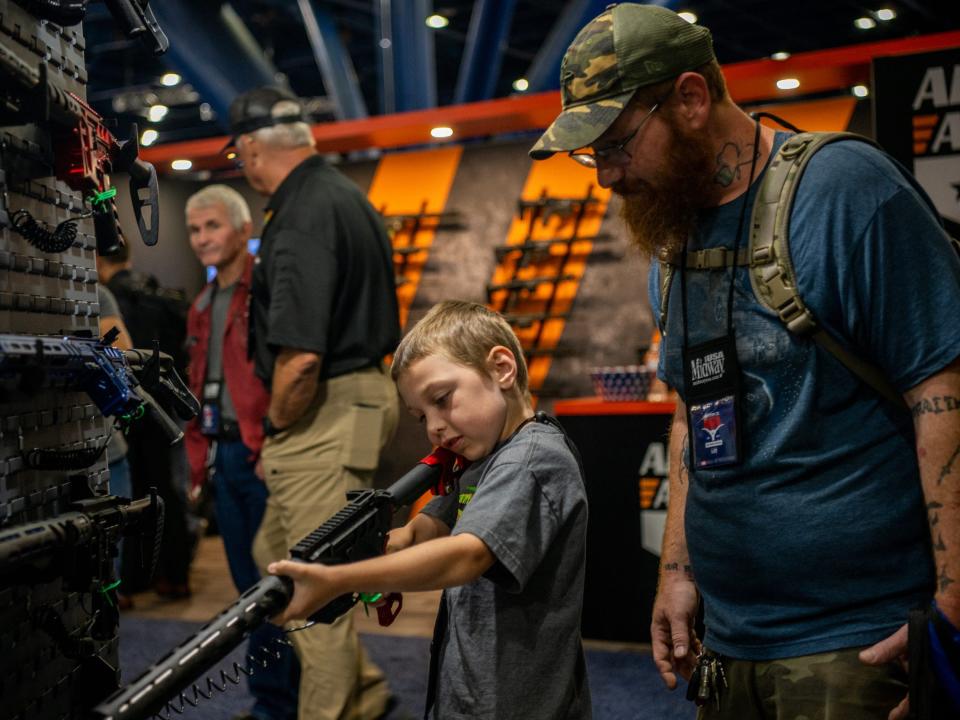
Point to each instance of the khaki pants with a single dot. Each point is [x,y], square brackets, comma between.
[826,686]
[308,468]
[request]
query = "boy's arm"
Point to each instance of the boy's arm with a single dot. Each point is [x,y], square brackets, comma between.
[423,527]
[675,608]
[433,565]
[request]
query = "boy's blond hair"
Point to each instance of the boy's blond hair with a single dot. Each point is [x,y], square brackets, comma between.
[462,332]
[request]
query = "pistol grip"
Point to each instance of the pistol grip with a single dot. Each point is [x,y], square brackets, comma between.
[386,613]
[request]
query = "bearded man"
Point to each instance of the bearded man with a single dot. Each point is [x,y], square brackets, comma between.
[807,511]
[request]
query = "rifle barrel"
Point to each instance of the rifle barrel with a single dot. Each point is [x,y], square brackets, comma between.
[148,694]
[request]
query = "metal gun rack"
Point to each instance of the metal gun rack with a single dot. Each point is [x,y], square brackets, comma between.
[534,283]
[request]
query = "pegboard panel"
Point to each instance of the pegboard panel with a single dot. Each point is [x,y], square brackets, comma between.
[58,635]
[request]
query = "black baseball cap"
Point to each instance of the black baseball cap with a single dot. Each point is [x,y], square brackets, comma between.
[253,110]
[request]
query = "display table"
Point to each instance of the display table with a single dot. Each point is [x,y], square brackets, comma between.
[624,450]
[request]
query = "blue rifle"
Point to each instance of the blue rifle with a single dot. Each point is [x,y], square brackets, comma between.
[122,384]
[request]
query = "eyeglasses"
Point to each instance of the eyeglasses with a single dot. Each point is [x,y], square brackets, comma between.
[616,154]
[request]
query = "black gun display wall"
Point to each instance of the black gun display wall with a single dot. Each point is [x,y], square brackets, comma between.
[59,525]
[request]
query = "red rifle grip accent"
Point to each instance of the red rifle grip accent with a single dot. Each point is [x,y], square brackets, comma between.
[386,613]
[451,467]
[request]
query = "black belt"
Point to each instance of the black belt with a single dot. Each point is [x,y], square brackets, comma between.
[229,431]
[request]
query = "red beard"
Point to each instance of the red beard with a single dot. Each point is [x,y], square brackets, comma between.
[662,213]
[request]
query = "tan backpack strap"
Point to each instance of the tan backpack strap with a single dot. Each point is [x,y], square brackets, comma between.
[772,274]
[710,259]
[666,280]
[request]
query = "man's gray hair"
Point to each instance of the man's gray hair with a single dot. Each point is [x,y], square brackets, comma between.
[285,135]
[237,209]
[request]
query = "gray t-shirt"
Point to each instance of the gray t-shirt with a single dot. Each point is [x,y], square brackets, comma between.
[219,308]
[512,646]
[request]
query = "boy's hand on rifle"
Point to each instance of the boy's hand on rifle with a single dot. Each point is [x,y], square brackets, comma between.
[312,589]
[399,539]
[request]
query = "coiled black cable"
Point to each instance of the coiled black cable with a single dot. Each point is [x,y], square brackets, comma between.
[205,689]
[59,240]
[62,460]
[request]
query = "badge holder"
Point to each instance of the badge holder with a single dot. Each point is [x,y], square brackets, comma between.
[210,411]
[712,377]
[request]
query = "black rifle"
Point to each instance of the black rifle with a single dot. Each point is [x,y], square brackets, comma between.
[122,384]
[85,153]
[356,532]
[79,547]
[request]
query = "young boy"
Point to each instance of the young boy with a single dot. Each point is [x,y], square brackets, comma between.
[508,546]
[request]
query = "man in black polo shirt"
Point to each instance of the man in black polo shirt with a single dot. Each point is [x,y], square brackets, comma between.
[323,314]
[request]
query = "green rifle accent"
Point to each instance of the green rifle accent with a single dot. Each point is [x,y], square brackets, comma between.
[105,590]
[99,199]
[369,599]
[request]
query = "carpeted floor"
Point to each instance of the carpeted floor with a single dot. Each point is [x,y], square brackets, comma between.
[624,685]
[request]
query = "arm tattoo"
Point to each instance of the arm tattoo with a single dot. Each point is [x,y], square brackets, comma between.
[948,468]
[687,569]
[936,405]
[729,162]
[944,581]
[684,471]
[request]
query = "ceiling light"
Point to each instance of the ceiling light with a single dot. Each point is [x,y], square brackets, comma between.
[885,14]
[865,23]
[170,79]
[181,164]
[521,84]
[156,113]
[688,16]
[860,91]
[437,21]
[441,132]
[782,55]
[788,84]
[149,137]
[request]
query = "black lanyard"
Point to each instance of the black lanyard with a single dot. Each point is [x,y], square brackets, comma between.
[711,369]
[736,250]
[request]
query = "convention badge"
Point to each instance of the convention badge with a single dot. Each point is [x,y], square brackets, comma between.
[712,377]
[210,411]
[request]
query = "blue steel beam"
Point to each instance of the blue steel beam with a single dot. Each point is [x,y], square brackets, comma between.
[483,52]
[213,50]
[408,66]
[336,68]
[544,71]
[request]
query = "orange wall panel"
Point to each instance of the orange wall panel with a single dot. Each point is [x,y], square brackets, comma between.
[407,184]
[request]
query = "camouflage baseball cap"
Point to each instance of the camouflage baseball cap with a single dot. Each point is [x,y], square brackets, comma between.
[627,46]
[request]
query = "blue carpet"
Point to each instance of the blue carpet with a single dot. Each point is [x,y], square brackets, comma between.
[624,685]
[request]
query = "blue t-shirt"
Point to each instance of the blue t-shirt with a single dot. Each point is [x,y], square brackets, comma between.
[818,540]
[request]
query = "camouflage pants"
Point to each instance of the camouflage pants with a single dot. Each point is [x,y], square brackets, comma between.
[827,686]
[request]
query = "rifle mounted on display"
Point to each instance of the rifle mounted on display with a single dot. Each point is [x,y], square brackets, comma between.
[356,532]
[134,17]
[85,152]
[78,547]
[122,384]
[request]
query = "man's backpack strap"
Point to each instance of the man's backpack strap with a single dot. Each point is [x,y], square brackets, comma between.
[709,259]
[772,274]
